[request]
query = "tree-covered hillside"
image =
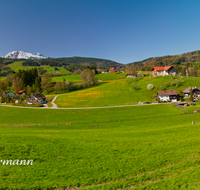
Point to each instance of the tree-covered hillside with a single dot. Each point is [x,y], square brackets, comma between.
[191,57]
[71,64]
[80,62]
[186,64]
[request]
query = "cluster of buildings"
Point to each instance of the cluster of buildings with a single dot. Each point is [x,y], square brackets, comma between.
[173,96]
[112,69]
[35,98]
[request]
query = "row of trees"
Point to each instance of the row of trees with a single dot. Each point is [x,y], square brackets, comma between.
[30,81]
[88,79]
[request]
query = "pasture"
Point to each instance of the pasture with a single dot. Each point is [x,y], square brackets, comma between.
[102,76]
[121,92]
[18,65]
[141,147]
[74,78]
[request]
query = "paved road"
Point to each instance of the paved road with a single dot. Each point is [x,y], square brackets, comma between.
[45,106]
[82,108]
[52,102]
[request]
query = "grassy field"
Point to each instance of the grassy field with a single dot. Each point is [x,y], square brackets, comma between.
[75,78]
[143,147]
[1,78]
[121,92]
[18,65]
[111,76]
[102,76]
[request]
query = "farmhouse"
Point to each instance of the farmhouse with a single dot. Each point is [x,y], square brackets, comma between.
[10,94]
[105,71]
[113,69]
[169,95]
[129,75]
[195,91]
[162,71]
[36,98]
[21,92]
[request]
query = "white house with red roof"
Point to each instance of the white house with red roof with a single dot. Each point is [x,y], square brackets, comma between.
[162,71]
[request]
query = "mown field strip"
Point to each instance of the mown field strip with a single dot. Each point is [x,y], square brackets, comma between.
[96,122]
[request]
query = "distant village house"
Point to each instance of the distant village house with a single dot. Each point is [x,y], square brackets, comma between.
[195,91]
[169,95]
[129,75]
[36,98]
[10,94]
[113,69]
[162,71]
[105,71]
[21,92]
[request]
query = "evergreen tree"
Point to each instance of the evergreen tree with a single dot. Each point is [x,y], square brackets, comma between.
[38,85]
[191,95]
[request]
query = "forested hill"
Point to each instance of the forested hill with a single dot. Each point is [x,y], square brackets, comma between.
[182,59]
[69,61]
[89,61]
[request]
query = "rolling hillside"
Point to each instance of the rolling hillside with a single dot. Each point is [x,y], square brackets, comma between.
[189,57]
[15,66]
[101,63]
[122,92]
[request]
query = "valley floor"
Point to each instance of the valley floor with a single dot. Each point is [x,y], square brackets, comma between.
[143,147]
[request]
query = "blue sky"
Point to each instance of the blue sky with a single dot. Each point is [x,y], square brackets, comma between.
[120,30]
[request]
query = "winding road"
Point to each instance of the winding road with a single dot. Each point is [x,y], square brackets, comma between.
[52,102]
[45,106]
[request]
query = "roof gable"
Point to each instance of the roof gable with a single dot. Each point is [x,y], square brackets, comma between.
[167,93]
[161,68]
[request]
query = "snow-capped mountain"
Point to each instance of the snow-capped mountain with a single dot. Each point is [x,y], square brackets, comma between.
[24,55]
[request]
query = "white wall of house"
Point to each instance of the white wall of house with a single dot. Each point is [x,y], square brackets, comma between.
[164,98]
[186,95]
[129,76]
[163,73]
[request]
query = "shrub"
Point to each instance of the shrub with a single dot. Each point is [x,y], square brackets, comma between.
[150,86]
[136,87]
[139,74]
[162,87]
[175,82]
[167,84]
[88,76]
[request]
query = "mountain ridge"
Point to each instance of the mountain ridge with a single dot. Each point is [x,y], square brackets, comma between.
[24,55]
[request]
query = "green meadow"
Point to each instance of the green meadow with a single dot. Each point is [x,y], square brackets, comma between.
[1,78]
[121,92]
[74,78]
[102,77]
[18,65]
[139,147]
[111,76]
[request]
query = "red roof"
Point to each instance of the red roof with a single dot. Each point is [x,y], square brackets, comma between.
[113,69]
[167,93]
[38,95]
[161,68]
[21,91]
